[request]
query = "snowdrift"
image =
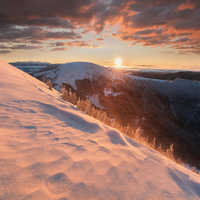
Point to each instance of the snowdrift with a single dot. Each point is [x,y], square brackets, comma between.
[50,150]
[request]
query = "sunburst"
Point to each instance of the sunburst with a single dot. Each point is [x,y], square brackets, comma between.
[118,62]
[118,58]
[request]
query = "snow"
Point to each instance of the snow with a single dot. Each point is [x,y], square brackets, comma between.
[171,89]
[70,72]
[95,100]
[50,150]
[109,92]
[190,167]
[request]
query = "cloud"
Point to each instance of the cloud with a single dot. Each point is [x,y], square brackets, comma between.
[58,44]
[144,65]
[54,13]
[35,34]
[76,43]
[25,47]
[190,51]
[160,23]
[20,47]
[149,31]
[59,49]
[168,52]
[150,23]
[5,51]
[99,39]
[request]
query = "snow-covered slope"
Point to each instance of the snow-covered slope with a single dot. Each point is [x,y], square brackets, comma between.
[166,110]
[70,72]
[50,150]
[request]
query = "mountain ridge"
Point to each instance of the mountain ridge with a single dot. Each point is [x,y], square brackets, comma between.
[158,107]
[50,150]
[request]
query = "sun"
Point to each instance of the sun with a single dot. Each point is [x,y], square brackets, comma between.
[118,61]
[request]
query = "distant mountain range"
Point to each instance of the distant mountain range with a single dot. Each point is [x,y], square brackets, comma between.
[29,63]
[167,75]
[31,66]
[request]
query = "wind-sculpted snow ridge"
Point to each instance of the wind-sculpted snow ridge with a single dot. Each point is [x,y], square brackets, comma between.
[50,150]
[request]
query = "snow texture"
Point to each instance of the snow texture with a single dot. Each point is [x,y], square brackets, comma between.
[50,150]
[95,100]
[109,92]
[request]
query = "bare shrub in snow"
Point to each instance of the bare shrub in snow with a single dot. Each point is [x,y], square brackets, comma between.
[43,79]
[63,90]
[64,94]
[49,84]
[169,152]
[94,112]
[70,96]
[159,149]
[153,144]
[74,99]
[193,170]
[87,107]
[80,104]
[179,161]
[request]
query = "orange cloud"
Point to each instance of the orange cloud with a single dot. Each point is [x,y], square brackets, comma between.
[187,5]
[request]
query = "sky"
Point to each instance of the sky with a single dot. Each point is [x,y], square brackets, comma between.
[144,33]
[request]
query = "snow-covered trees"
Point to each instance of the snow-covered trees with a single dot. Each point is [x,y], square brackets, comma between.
[49,84]
[80,104]
[169,152]
[43,79]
